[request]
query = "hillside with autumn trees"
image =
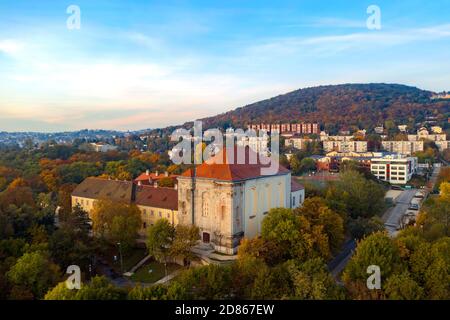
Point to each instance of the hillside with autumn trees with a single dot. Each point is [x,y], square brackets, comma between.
[336,106]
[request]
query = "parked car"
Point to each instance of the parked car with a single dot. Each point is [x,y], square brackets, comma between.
[413,206]
[419,195]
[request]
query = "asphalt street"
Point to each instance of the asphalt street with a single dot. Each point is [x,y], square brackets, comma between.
[392,216]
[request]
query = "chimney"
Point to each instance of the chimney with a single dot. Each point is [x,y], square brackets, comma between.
[155,184]
[156,173]
[147,172]
[166,173]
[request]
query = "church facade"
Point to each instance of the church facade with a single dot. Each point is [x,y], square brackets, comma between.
[229,201]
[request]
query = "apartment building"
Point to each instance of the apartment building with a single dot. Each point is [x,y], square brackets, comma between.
[403,147]
[395,169]
[297,142]
[345,146]
[299,128]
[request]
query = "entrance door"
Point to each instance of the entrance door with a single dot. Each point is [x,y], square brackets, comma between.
[206,237]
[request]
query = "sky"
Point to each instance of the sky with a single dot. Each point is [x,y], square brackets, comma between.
[143,64]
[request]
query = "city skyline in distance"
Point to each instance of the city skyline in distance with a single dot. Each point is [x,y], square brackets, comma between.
[139,64]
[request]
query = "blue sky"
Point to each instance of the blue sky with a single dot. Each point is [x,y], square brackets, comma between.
[142,64]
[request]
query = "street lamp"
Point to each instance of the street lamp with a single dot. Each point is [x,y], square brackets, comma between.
[121,259]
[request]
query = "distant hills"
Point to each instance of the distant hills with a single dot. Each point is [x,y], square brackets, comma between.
[342,106]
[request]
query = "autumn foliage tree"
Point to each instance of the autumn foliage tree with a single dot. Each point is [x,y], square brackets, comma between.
[116,222]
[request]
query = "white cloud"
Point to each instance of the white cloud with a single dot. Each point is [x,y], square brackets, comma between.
[361,40]
[10,47]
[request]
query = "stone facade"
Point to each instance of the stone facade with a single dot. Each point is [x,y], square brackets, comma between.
[227,211]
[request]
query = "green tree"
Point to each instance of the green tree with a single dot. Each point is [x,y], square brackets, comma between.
[166,182]
[311,280]
[307,164]
[362,227]
[376,249]
[403,287]
[160,237]
[186,237]
[355,195]
[282,227]
[116,222]
[317,212]
[35,272]
[99,288]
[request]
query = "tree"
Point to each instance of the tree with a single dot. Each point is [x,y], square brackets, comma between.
[311,280]
[271,283]
[362,227]
[159,240]
[99,288]
[307,164]
[166,182]
[156,292]
[206,282]
[116,222]
[60,292]
[35,272]
[186,237]
[282,227]
[376,249]
[295,165]
[355,195]
[429,265]
[317,212]
[261,249]
[403,287]
[295,236]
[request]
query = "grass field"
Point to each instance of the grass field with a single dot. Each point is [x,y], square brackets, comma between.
[143,274]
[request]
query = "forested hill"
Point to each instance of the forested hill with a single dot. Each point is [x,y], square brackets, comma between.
[338,106]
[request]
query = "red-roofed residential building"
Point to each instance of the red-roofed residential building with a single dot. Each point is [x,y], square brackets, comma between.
[149,178]
[228,200]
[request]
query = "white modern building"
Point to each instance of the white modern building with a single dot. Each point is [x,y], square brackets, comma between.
[395,169]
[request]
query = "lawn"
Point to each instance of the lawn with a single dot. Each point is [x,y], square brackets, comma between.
[143,274]
[130,258]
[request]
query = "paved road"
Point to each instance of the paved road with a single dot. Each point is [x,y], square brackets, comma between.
[434,176]
[337,265]
[392,216]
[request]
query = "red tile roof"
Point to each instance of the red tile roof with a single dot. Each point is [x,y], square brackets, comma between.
[144,177]
[149,196]
[232,170]
[295,186]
